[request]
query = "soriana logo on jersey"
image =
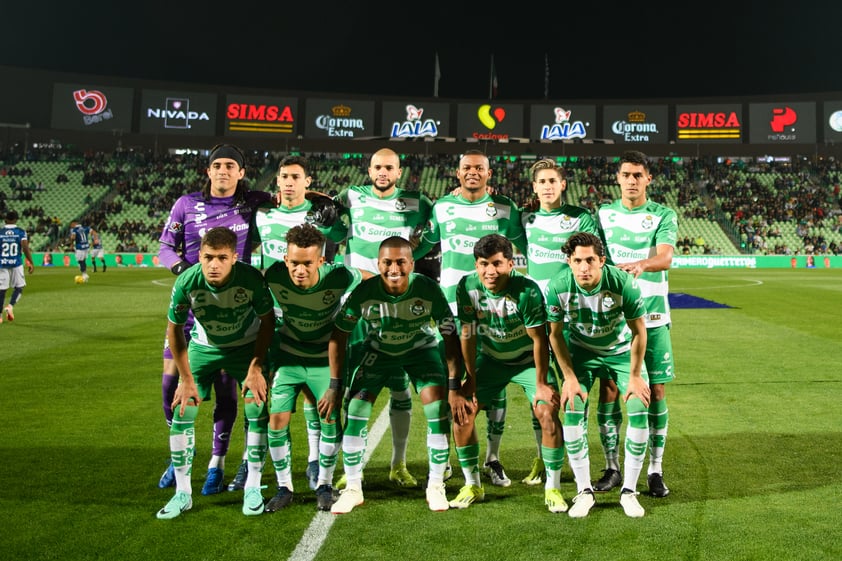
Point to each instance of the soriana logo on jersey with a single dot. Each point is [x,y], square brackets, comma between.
[92,107]
[247,115]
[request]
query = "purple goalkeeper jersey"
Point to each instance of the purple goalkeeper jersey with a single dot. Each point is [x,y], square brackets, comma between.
[191,216]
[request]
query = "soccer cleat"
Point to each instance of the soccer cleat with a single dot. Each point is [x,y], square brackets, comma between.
[401,477]
[282,499]
[313,474]
[494,469]
[348,499]
[657,487]
[610,478]
[448,472]
[554,500]
[536,475]
[632,508]
[167,478]
[582,504]
[324,497]
[180,502]
[214,482]
[10,314]
[252,501]
[437,497]
[239,481]
[468,495]
[85,277]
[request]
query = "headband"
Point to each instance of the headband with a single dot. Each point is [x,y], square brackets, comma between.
[227,151]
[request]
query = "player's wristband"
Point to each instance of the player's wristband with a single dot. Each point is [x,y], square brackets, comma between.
[335,384]
[179,267]
[454,384]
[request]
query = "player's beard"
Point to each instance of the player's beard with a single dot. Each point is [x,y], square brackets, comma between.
[382,190]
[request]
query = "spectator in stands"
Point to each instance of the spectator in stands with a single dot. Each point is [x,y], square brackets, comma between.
[225,200]
[639,237]
[15,252]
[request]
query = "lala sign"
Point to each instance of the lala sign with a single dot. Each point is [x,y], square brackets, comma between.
[414,127]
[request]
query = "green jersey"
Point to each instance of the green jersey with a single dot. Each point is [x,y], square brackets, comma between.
[458,224]
[634,234]
[226,316]
[372,219]
[596,319]
[273,223]
[546,232]
[306,316]
[397,325]
[502,318]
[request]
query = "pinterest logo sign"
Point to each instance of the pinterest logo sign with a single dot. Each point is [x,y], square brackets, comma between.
[90,102]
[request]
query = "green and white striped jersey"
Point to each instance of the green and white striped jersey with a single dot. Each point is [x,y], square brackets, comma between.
[306,316]
[501,318]
[596,319]
[226,316]
[398,325]
[634,234]
[372,219]
[546,232]
[273,223]
[458,224]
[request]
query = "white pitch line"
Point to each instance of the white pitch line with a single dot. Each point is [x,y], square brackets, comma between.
[316,533]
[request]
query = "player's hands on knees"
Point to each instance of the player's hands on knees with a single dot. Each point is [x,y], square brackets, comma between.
[463,407]
[256,382]
[328,403]
[548,395]
[640,388]
[184,394]
[569,391]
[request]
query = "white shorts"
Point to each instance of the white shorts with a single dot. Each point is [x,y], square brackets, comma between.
[81,255]
[12,277]
[97,253]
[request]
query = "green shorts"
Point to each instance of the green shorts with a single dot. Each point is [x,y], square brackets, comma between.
[290,378]
[659,360]
[205,362]
[378,370]
[493,376]
[589,366]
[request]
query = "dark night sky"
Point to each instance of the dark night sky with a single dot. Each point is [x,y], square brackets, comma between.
[594,50]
